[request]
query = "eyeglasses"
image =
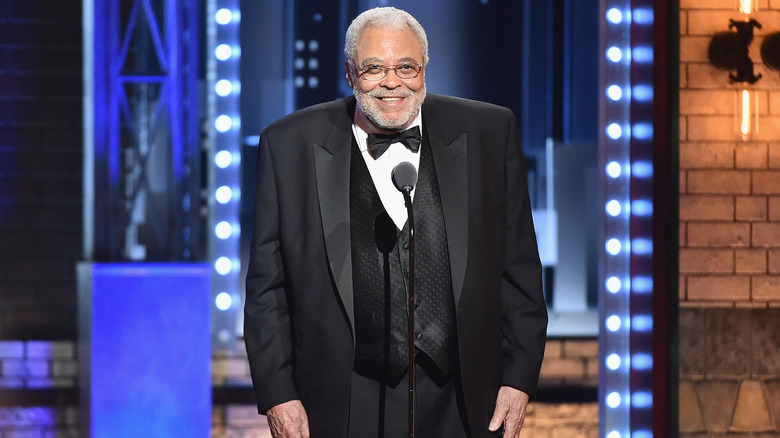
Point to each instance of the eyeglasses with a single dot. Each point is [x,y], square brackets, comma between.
[375,72]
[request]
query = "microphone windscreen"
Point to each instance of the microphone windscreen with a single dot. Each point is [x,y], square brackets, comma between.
[404,176]
[385,233]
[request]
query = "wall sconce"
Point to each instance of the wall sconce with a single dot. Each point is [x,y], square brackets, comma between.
[730,51]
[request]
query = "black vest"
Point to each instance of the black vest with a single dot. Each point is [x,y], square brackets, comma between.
[380,264]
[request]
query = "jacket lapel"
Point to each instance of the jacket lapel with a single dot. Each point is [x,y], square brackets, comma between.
[331,160]
[449,156]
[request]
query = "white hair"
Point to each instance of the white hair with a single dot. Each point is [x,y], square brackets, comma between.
[383,17]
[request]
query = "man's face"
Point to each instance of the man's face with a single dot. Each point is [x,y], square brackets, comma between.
[390,103]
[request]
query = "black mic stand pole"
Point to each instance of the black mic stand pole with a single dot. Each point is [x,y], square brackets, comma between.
[404,176]
[407,191]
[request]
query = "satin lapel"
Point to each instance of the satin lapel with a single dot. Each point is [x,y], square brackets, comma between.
[331,160]
[450,161]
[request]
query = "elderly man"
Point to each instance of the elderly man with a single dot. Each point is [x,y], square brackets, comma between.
[325,314]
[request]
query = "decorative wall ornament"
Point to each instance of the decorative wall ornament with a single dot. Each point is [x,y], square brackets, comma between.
[729,51]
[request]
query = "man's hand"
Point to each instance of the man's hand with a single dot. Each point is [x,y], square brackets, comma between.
[288,420]
[510,410]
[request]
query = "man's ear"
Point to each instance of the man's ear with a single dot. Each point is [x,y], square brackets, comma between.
[348,69]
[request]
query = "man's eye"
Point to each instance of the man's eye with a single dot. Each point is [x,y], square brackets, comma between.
[405,68]
[376,68]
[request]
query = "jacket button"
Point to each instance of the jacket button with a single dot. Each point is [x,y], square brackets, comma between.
[419,335]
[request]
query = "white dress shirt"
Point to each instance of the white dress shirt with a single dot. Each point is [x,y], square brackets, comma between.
[382,168]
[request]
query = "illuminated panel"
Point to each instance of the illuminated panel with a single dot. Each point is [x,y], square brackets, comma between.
[224,88]
[626,145]
[615,146]
[144,351]
[641,219]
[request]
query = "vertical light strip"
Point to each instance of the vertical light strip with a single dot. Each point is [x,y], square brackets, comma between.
[626,148]
[224,158]
[615,144]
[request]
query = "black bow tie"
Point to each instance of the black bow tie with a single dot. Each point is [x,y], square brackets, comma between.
[378,143]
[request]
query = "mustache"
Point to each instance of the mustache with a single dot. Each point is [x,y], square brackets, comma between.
[387,93]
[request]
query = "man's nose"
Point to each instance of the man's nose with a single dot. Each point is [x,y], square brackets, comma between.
[391,80]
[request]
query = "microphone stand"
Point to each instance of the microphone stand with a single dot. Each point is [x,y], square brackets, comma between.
[407,192]
[404,176]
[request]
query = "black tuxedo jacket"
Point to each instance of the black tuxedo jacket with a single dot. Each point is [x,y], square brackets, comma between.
[299,328]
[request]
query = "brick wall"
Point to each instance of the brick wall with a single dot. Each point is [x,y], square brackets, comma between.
[729,235]
[40,167]
[32,374]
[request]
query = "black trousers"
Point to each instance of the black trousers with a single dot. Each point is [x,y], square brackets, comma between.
[380,411]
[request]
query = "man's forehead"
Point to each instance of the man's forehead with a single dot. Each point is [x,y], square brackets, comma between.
[375,42]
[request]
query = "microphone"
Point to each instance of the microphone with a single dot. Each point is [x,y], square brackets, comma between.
[404,176]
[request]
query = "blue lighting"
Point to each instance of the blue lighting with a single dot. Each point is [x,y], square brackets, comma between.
[223,265]
[642,285]
[643,93]
[614,16]
[642,169]
[642,246]
[223,16]
[223,301]
[643,54]
[224,113]
[642,323]
[613,361]
[614,284]
[614,54]
[642,361]
[642,207]
[613,323]
[613,246]
[614,434]
[642,131]
[223,87]
[613,169]
[223,159]
[145,363]
[223,230]
[223,52]
[641,400]
[643,16]
[223,123]
[613,208]
[614,400]
[614,92]
[224,194]
[614,131]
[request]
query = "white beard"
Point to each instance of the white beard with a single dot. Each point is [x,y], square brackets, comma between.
[375,115]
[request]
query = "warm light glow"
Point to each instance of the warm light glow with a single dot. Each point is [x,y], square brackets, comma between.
[744,127]
[747,113]
[746,6]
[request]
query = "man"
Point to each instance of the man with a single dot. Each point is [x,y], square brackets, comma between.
[325,322]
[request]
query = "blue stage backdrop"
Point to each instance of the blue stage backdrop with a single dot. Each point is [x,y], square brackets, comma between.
[145,350]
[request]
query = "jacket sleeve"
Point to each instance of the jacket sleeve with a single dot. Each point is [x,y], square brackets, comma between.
[267,329]
[524,319]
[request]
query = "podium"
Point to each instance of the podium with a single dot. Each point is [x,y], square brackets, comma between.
[145,349]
